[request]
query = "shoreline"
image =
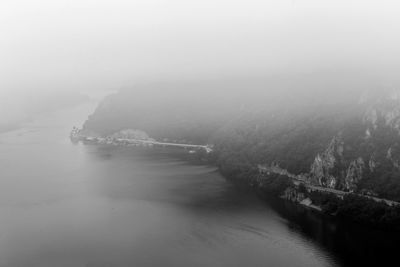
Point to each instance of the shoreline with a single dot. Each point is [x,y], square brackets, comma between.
[288,191]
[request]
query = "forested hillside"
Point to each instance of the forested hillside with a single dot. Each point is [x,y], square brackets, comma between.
[343,139]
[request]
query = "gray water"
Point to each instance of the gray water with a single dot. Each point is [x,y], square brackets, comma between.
[84,205]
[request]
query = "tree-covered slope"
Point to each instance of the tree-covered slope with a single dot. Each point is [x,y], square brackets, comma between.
[353,147]
[343,139]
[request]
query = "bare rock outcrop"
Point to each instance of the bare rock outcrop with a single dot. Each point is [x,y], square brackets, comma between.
[324,163]
[354,174]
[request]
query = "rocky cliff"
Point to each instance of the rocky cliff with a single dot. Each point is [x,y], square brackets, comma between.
[353,147]
[351,156]
[323,167]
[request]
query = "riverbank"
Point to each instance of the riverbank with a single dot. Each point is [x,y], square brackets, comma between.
[104,205]
[367,210]
[351,207]
[134,138]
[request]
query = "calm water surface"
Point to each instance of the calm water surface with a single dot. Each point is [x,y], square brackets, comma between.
[74,205]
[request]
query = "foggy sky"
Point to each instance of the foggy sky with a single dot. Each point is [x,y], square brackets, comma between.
[83,44]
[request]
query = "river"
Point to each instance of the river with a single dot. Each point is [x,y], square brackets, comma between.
[64,204]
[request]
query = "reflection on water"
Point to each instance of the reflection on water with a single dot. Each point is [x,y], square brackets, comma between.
[74,205]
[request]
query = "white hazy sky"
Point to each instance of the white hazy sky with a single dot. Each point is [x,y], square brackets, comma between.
[99,44]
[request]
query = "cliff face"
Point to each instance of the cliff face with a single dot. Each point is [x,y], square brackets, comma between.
[354,174]
[322,169]
[329,169]
[343,165]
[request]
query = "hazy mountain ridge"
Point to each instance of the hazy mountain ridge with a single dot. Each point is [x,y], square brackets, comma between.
[350,143]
